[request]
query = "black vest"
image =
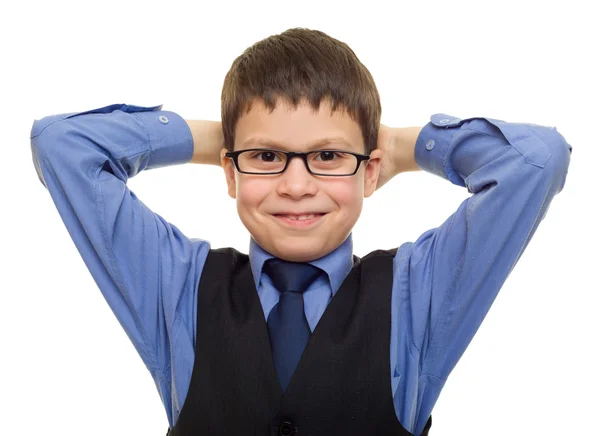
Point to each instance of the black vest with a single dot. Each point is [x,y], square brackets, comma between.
[342,385]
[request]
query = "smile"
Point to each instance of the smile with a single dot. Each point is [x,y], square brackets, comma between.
[299,221]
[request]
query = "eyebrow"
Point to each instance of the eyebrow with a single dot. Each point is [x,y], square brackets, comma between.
[313,145]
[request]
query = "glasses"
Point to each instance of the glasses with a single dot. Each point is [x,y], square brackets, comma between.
[319,163]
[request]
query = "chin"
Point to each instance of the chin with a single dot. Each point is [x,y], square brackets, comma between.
[295,246]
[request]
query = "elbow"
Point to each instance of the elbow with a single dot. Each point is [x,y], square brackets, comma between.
[49,136]
[41,136]
[47,142]
[562,150]
[558,165]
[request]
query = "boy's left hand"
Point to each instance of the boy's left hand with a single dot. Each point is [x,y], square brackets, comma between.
[397,147]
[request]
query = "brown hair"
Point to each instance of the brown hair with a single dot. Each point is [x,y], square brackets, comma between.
[301,64]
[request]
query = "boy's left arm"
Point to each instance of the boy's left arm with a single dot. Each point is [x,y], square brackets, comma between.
[456,270]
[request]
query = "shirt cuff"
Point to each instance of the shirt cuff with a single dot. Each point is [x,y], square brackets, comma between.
[170,137]
[433,146]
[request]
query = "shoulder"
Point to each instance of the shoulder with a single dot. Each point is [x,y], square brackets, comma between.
[227,253]
[377,258]
[378,254]
[226,258]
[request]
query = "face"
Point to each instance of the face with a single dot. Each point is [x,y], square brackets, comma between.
[263,201]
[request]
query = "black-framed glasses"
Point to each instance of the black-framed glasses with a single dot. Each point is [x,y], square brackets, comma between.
[318,162]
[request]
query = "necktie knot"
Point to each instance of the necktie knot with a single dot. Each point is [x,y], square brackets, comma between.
[291,276]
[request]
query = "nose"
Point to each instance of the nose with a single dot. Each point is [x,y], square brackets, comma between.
[296,181]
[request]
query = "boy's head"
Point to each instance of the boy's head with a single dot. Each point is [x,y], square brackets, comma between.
[287,92]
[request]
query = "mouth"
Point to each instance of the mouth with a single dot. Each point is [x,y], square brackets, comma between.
[299,221]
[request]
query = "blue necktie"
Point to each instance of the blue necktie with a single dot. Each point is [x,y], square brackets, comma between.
[287,325]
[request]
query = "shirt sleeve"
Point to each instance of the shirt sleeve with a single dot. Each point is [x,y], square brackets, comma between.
[142,264]
[456,270]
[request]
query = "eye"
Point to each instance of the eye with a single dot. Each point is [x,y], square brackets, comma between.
[265,156]
[327,155]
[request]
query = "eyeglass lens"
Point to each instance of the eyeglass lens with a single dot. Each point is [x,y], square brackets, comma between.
[322,161]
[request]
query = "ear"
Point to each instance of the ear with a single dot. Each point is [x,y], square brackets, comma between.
[229,168]
[372,169]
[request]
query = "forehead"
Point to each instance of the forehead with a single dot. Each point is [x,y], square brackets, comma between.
[297,129]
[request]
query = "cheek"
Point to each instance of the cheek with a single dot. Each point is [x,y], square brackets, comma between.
[348,194]
[251,192]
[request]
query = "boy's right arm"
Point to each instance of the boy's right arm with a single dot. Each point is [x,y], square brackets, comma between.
[144,266]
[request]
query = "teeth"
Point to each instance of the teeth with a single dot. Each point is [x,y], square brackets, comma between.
[300,218]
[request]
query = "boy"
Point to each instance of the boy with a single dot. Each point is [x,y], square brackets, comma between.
[300,336]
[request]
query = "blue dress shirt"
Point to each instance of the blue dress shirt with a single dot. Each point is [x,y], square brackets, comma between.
[443,285]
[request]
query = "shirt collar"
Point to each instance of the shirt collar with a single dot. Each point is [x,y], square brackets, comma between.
[336,264]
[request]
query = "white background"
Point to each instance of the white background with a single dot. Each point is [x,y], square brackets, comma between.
[67,366]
